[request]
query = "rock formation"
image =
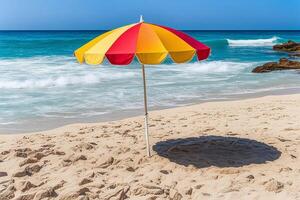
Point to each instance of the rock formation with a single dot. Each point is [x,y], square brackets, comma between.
[283,64]
[290,46]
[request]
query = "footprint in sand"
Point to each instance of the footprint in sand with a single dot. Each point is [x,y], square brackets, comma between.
[274,186]
[107,163]
[82,146]
[28,171]
[28,161]
[27,185]
[85,181]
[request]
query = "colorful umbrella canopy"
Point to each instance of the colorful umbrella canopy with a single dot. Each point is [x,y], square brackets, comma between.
[150,43]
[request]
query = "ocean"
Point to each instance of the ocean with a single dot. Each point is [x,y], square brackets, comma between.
[42,86]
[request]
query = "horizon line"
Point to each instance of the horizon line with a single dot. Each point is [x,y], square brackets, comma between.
[177,29]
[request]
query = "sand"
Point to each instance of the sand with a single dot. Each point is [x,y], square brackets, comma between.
[246,149]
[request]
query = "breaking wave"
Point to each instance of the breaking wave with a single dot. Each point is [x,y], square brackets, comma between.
[207,67]
[45,72]
[49,82]
[253,42]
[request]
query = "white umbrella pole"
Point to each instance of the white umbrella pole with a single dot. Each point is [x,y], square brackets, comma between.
[146,112]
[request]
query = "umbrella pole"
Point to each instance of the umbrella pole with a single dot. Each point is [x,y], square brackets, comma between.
[146,112]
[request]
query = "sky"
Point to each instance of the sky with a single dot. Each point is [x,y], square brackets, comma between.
[180,14]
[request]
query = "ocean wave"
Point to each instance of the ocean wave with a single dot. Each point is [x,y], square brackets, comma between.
[31,61]
[49,72]
[207,67]
[49,82]
[253,42]
[52,71]
[61,81]
[217,66]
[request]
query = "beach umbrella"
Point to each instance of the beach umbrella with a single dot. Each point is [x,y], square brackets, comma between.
[149,43]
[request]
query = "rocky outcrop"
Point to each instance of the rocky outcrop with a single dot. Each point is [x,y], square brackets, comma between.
[283,64]
[289,46]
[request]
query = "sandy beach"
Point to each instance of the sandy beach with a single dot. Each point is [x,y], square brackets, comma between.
[246,149]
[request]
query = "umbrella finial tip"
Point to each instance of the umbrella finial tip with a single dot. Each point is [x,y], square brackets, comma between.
[141,18]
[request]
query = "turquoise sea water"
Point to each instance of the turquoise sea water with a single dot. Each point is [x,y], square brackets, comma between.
[42,85]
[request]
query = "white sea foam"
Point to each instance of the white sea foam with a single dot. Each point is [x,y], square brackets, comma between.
[60,81]
[47,72]
[218,67]
[49,82]
[207,67]
[253,42]
[44,72]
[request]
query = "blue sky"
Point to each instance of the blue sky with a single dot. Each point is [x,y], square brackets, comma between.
[180,14]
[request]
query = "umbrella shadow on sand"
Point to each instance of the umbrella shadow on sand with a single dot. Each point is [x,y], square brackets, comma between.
[206,151]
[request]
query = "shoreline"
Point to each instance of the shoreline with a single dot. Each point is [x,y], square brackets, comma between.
[248,148]
[48,124]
